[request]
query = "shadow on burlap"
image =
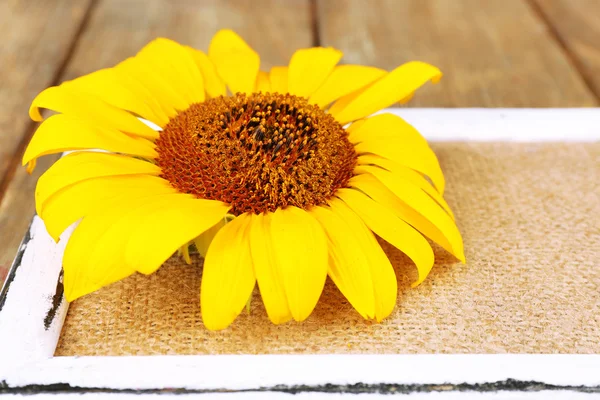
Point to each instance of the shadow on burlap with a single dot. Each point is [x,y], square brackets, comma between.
[530,218]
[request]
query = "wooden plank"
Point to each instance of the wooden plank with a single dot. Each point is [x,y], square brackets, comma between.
[577,26]
[274,28]
[118,29]
[37,36]
[493,53]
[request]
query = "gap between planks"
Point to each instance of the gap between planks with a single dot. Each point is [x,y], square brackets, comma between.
[539,11]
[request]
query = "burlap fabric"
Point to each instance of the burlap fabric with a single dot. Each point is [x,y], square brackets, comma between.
[530,218]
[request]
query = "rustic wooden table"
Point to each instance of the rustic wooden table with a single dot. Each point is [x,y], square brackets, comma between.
[511,53]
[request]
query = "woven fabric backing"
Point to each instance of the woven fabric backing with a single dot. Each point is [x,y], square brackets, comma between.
[530,218]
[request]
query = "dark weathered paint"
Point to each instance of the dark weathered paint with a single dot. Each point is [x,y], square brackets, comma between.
[57,300]
[15,265]
[510,385]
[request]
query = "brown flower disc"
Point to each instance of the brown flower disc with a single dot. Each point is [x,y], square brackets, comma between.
[256,152]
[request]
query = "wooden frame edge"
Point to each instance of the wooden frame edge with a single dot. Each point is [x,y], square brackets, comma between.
[298,374]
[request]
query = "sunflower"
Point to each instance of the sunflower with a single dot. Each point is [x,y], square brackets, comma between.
[279,178]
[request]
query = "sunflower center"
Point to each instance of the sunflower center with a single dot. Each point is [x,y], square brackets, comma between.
[256,152]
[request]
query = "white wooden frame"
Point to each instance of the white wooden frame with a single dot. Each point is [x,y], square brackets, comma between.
[32,311]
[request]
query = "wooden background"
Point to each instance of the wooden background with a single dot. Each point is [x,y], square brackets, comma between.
[494,53]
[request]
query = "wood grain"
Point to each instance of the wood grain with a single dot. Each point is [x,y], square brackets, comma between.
[577,25]
[274,28]
[493,53]
[37,37]
[118,29]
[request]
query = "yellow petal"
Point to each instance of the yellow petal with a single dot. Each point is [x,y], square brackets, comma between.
[31,166]
[83,198]
[262,82]
[300,252]
[228,278]
[213,84]
[406,99]
[383,277]
[75,104]
[175,66]
[185,253]
[121,92]
[82,279]
[237,64]
[419,158]
[411,204]
[393,87]
[279,79]
[203,241]
[133,236]
[348,264]
[343,102]
[139,73]
[355,125]
[157,232]
[406,174]
[61,133]
[309,68]
[86,267]
[268,275]
[398,233]
[398,134]
[77,167]
[387,127]
[344,80]
[143,85]
[130,236]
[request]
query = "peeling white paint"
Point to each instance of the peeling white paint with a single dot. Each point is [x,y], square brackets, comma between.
[542,395]
[23,336]
[247,372]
